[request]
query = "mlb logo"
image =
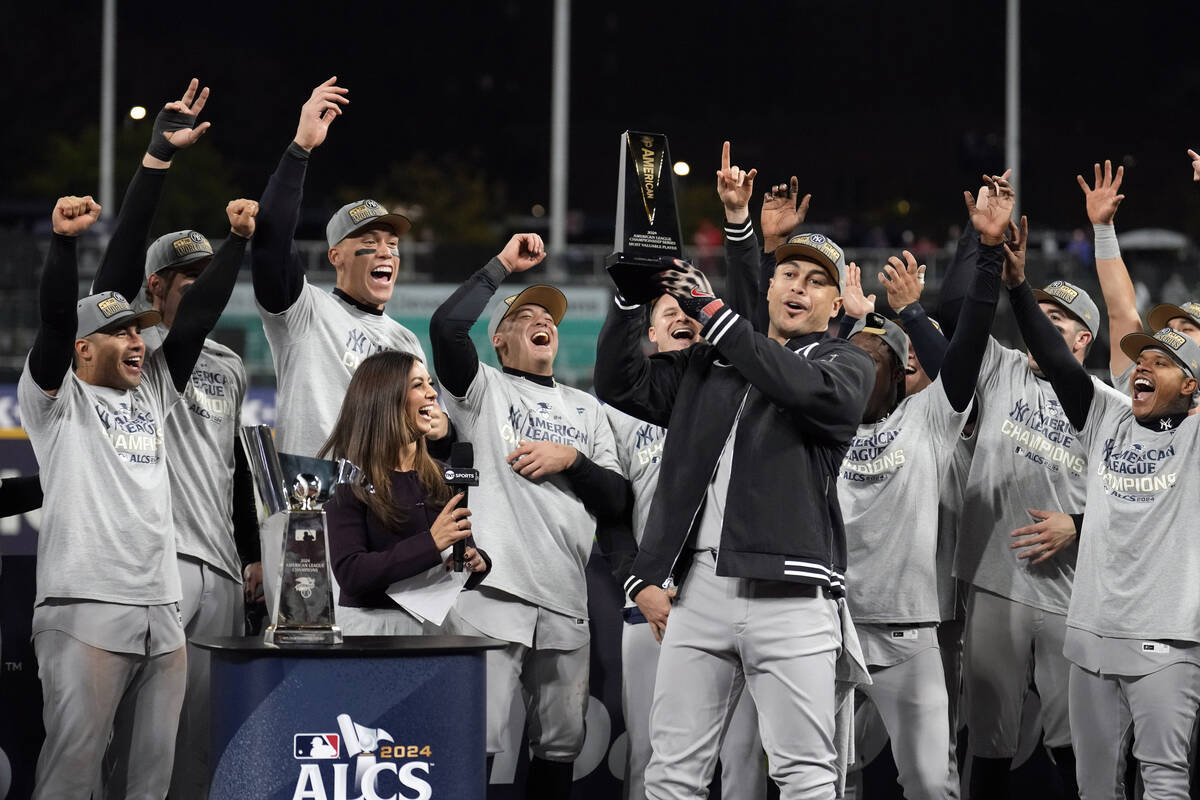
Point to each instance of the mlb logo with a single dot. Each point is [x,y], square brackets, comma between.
[316,745]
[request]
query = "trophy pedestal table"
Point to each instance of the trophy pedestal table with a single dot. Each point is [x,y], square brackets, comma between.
[404,714]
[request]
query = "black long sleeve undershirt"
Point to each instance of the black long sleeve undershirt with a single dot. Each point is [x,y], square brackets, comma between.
[20,495]
[928,343]
[200,308]
[958,278]
[123,265]
[454,356]
[1070,380]
[275,264]
[964,354]
[617,543]
[245,511]
[54,344]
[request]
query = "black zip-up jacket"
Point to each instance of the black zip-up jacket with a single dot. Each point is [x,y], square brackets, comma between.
[796,408]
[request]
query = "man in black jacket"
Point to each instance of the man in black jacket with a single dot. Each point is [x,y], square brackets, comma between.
[746,507]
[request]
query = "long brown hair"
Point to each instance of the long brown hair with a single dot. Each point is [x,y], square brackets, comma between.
[372,429]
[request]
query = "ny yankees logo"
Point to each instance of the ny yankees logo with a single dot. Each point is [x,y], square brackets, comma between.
[1165,424]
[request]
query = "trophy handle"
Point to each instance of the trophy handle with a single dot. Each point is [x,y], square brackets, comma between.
[259,445]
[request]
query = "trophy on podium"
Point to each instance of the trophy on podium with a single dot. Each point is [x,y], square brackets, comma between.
[647,217]
[300,603]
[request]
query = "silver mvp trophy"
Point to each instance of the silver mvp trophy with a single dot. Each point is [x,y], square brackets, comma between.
[301,605]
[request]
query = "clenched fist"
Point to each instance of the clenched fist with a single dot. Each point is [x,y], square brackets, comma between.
[241,215]
[74,215]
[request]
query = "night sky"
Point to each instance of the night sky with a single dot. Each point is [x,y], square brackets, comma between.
[869,103]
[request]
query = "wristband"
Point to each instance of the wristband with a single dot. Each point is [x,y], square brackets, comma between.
[1106,242]
[167,122]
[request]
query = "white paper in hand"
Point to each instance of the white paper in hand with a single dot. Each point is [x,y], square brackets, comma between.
[430,595]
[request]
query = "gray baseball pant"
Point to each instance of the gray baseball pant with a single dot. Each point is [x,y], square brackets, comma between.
[1157,710]
[743,770]
[212,605]
[724,634]
[84,689]
[554,687]
[950,644]
[911,700]
[1002,636]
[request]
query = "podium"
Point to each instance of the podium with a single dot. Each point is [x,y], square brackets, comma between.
[372,717]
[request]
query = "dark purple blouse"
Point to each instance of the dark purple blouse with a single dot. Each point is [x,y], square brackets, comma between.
[368,556]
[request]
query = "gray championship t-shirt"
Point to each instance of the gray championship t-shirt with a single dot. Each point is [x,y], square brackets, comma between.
[106,530]
[537,533]
[316,345]
[639,452]
[1027,457]
[888,488]
[1139,553]
[202,430]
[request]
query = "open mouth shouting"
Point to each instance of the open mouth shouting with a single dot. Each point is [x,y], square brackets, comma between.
[426,412]
[684,333]
[1143,389]
[383,274]
[133,365]
[540,338]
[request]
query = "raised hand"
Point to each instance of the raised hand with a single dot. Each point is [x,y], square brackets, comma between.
[853,301]
[1103,200]
[318,113]
[1013,273]
[992,212]
[241,215]
[782,212]
[689,286]
[734,187]
[903,280]
[74,215]
[523,251]
[191,104]
[1195,164]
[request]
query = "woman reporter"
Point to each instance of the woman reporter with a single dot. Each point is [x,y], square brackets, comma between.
[401,529]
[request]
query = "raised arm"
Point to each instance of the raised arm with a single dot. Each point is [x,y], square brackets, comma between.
[735,186]
[1070,380]
[904,281]
[202,304]
[964,354]
[122,267]
[454,357]
[1102,201]
[54,344]
[275,264]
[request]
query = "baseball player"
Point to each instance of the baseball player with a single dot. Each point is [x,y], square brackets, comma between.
[746,507]
[549,471]
[317,338]
[1027,462]
[639,452]
[106,626]
[890,512]
[1133,635]
[210,480]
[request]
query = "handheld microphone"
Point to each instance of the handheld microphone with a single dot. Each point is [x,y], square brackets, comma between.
[462,475]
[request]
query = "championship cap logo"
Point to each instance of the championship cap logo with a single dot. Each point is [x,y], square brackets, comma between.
[1062,291]
[1172,339]
[366,210]
[194,242]
[111,306]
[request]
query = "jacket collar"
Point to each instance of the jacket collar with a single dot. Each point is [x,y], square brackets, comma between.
[804,340]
